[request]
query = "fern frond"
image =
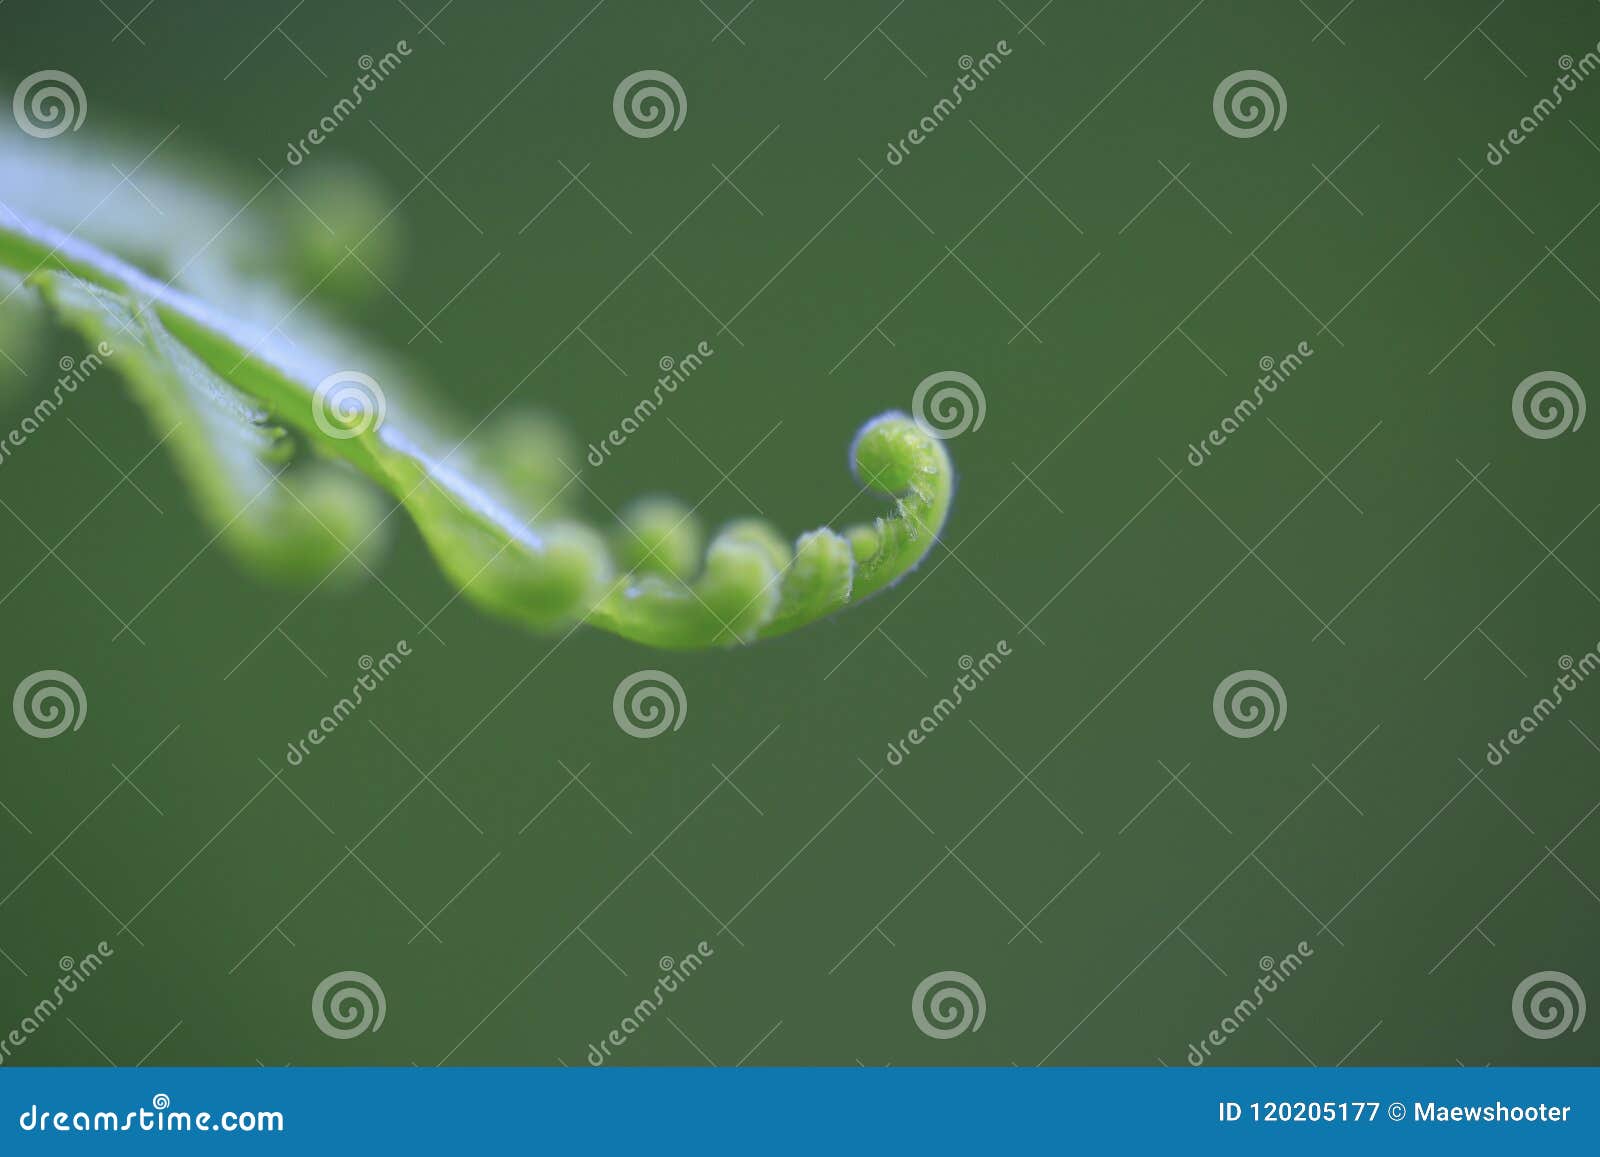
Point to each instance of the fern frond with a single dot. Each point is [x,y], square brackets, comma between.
[274,460]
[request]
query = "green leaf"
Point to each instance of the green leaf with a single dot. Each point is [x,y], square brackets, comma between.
[273,440]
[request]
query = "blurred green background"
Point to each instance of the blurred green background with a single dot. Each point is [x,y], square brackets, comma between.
[1081,238]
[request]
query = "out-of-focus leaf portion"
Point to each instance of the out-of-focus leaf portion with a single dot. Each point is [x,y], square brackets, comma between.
[292,519]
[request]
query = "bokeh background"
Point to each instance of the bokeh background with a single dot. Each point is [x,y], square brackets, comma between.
[1081,238]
